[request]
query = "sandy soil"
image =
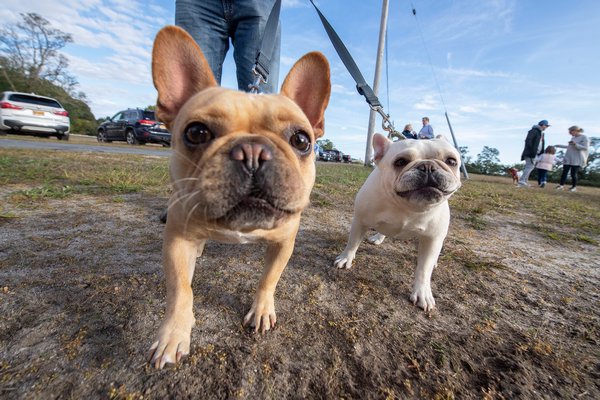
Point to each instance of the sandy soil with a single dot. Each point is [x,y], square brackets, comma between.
[82,294]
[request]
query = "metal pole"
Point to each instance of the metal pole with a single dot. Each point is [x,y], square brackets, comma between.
[462,163]
[380,51]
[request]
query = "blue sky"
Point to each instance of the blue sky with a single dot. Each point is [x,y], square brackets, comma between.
[502,65]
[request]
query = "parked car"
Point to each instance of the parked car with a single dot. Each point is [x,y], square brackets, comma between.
[135,126]
[330,155]
[346,158]
[33,114]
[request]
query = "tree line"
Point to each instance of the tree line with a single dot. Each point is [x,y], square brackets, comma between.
[31,62]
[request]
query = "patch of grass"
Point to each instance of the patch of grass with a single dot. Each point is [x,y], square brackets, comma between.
[469,259]
[61,174]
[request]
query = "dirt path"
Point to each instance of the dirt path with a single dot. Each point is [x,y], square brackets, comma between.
[82,294]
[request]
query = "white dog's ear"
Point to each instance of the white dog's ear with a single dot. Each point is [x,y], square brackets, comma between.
[380,146]
[308,84]
[442,137]
[179,70]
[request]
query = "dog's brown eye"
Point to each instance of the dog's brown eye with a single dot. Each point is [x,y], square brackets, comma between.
[401,162]
[197,134]
[300,141]
[451,161]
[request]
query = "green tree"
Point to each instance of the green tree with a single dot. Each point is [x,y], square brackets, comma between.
[325,144]
[32,48]
[488,161]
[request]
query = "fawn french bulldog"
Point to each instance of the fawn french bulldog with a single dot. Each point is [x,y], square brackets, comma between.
[242,169]
[406,196]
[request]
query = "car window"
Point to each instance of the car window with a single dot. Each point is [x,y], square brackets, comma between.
[39,101]
[117,117]
[149,115]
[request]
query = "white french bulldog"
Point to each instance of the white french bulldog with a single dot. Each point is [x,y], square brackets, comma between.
[406,196]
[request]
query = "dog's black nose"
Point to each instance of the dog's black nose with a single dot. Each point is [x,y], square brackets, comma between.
[251,155]
[427,166]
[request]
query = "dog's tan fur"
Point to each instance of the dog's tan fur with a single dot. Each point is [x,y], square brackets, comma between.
[214,184]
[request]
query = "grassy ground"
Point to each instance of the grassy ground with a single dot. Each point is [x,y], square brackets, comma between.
[82,294]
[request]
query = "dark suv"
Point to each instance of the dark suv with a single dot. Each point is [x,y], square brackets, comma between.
[135,126]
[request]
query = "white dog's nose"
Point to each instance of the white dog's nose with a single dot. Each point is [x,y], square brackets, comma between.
[427,166]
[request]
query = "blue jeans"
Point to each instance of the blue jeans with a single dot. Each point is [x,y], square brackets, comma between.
[542,176]
[212,23]
[529,166]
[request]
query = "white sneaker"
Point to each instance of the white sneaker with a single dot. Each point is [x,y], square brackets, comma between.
[559,187]
[523,184]
[573,189]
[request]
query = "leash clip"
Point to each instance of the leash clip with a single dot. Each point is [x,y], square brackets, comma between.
[387,125]
[258,79]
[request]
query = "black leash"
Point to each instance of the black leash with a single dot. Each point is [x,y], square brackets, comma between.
[263,58]
[362,86]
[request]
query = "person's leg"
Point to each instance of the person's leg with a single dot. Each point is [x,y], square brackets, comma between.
[542,177]
[565,173]
[250,18]
[206,22]
[574,170]
[529,165]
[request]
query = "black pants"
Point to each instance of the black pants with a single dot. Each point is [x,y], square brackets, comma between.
[565,172]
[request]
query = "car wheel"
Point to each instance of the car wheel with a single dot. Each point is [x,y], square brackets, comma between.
[64,136]
[101,136]
[131,138]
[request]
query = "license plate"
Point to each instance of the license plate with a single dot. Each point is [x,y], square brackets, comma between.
[38,113]
[162,126]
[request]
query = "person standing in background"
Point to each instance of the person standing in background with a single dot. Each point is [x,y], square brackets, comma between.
[426,131]
[534,146]
[408,132]
[575,157]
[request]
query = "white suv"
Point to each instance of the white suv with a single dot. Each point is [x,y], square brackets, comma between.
[30,113]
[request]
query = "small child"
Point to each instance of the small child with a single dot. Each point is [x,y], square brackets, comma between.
[545,164]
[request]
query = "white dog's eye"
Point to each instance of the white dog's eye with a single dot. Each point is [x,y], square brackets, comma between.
[300,141]
[451,161]
[196,134]
[401,162]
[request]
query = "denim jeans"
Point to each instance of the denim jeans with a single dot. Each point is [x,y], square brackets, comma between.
[529,166]
[542,175]
[212,23]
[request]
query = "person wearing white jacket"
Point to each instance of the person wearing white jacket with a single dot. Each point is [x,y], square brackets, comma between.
[575,156]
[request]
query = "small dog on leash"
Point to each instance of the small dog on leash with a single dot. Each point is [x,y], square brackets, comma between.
[515,175]
[242,170]
[406,196]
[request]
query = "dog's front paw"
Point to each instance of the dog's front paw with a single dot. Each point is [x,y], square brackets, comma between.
[423,297]
[261,316]
[173,342]
[344,260]
[376,239]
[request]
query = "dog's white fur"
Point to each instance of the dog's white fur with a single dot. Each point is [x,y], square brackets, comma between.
[406,196]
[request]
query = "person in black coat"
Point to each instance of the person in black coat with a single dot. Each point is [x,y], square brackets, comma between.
[534,146]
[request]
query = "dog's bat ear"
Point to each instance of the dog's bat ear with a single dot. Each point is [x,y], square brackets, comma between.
[308,84]
[179,70]
[380,146]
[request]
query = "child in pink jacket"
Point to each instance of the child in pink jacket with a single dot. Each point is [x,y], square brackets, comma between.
[545,164]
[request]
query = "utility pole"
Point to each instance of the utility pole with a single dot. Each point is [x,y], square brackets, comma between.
[380,51]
